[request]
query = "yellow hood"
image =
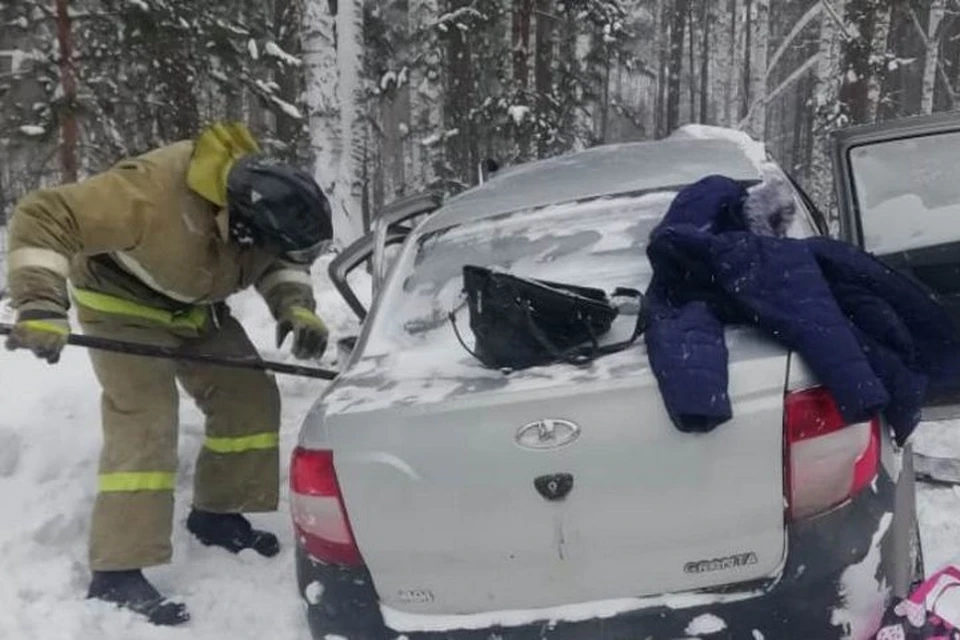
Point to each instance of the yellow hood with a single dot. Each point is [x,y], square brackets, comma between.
[215,151]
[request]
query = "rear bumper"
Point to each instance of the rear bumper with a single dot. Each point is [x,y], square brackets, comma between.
[825,556]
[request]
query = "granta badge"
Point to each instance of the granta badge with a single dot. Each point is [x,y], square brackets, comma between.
[721,564]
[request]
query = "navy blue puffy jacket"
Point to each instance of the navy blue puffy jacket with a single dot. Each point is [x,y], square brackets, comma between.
[874,338]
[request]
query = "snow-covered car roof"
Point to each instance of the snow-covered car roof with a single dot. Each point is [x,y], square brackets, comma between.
[600,171]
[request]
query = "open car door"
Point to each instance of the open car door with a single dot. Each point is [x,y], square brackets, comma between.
[898,193]
[898,188]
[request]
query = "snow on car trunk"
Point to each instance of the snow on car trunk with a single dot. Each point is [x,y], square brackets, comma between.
[470,491]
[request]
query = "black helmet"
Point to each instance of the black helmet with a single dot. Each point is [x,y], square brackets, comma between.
[278,207]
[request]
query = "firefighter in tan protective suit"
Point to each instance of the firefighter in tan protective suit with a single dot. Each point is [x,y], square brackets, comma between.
[151,249]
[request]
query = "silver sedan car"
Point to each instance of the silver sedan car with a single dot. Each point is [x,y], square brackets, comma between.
[435,498]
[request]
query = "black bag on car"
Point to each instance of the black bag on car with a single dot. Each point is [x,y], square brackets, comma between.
[521,322]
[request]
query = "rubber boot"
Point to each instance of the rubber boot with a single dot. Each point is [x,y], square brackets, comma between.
[231,531]
[131,590]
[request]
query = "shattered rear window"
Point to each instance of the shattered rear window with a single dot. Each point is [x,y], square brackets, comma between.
[598,243]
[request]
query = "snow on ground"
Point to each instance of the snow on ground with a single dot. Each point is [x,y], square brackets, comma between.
[49,443]
[706,624]
[939,507]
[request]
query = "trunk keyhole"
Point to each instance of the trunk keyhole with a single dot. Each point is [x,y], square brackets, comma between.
[554,487]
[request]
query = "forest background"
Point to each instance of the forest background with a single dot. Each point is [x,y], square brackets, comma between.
[386,98]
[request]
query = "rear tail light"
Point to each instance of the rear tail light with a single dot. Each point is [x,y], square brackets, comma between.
[827,461]
[316,504]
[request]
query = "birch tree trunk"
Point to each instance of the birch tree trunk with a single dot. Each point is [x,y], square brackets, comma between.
[349,23]
[692,57]
[747,71]
[826,101]
[733,70]
[758,69]
[937,10]
[706,16]
[881,35]
[323,103]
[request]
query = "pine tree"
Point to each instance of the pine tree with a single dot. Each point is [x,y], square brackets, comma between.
[154,71]
[29,77]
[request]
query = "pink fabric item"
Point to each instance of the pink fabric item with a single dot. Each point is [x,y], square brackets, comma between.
[931,612]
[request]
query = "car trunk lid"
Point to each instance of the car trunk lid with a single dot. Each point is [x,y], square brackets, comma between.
[561,486]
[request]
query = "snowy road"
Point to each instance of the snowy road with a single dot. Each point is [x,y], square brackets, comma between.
[49,441]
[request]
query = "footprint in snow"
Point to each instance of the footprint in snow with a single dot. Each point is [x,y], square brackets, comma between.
[11,444]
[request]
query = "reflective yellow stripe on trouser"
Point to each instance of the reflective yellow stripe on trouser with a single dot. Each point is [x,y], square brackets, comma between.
[194,319]
[136,481]
[243,444]
[161,481]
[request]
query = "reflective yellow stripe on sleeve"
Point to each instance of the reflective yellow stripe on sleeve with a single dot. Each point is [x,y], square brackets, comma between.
[243,443]
[136,481]
[44,325]
[308,317]
[195,318]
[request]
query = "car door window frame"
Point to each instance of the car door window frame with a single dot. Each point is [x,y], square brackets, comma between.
[844,141]
[388,229]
